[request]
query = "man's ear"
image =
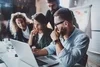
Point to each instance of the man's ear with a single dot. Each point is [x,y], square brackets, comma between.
[66,23]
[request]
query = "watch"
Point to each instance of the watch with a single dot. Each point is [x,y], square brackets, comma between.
[56,41]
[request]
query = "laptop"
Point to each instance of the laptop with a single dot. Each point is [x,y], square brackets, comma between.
[25,54]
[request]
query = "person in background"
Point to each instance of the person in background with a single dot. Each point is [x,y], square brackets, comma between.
[19,27]
[53,7]
[40,35]
[69,43]
[3,31]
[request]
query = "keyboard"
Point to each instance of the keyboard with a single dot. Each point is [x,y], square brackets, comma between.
[41,63]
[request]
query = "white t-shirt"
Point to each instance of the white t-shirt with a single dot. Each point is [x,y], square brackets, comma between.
[40,36]
[26,33]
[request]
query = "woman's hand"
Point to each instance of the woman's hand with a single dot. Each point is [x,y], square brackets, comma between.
[33,32]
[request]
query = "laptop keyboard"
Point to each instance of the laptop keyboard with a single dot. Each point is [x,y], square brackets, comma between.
[40,63]
[1,61]
[51,57]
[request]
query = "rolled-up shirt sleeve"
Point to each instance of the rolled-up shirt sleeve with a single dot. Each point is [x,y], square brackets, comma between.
[62,53]
[51,48]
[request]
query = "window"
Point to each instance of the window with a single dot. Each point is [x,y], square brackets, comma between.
[64,3]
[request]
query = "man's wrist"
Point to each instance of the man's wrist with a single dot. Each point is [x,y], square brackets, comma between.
[57,41]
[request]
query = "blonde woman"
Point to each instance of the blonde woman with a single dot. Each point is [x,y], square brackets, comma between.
[19,27]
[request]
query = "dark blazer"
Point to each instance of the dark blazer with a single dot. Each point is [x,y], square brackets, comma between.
[50,17]
[19,35]
[44,41]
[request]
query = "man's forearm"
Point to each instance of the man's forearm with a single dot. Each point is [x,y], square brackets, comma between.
[41,52]
[59,46]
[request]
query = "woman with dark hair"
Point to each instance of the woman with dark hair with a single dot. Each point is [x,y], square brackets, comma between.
[40,35]
[20,28]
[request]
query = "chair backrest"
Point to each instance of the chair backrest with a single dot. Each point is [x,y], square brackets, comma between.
[83,61]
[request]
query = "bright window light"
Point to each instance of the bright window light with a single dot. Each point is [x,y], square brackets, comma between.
[64,3]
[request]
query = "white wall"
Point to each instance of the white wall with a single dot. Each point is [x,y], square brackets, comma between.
[41,6]
[95,25]
[94,45]
[95,11]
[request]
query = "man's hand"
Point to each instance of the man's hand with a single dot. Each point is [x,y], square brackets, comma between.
[35,51]
[55,35]
[39,52]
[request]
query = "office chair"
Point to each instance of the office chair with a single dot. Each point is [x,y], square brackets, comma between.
[83,61]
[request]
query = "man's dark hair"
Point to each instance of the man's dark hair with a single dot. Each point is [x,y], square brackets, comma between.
[49,1]
[64,14]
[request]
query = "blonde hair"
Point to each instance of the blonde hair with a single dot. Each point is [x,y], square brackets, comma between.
[13,26]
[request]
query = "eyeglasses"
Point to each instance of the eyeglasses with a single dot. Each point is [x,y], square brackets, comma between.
[59,23]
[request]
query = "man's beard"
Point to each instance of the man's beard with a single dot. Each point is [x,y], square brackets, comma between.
[54,10]
[63,32]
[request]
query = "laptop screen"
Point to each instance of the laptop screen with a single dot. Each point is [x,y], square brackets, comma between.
[24,52]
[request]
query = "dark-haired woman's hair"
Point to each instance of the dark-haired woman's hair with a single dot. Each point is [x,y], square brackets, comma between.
[40,18]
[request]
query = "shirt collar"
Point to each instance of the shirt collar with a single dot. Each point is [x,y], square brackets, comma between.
[73,33]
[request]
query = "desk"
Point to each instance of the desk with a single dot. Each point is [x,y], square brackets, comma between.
[8,56]
[50,60]
[12,61]
[15,62]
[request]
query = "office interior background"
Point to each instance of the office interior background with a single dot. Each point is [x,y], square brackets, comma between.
[30,7]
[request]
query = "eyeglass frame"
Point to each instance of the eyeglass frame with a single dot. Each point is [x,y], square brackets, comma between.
[59,23]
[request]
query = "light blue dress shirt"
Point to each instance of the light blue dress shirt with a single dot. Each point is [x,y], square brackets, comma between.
[74,48]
